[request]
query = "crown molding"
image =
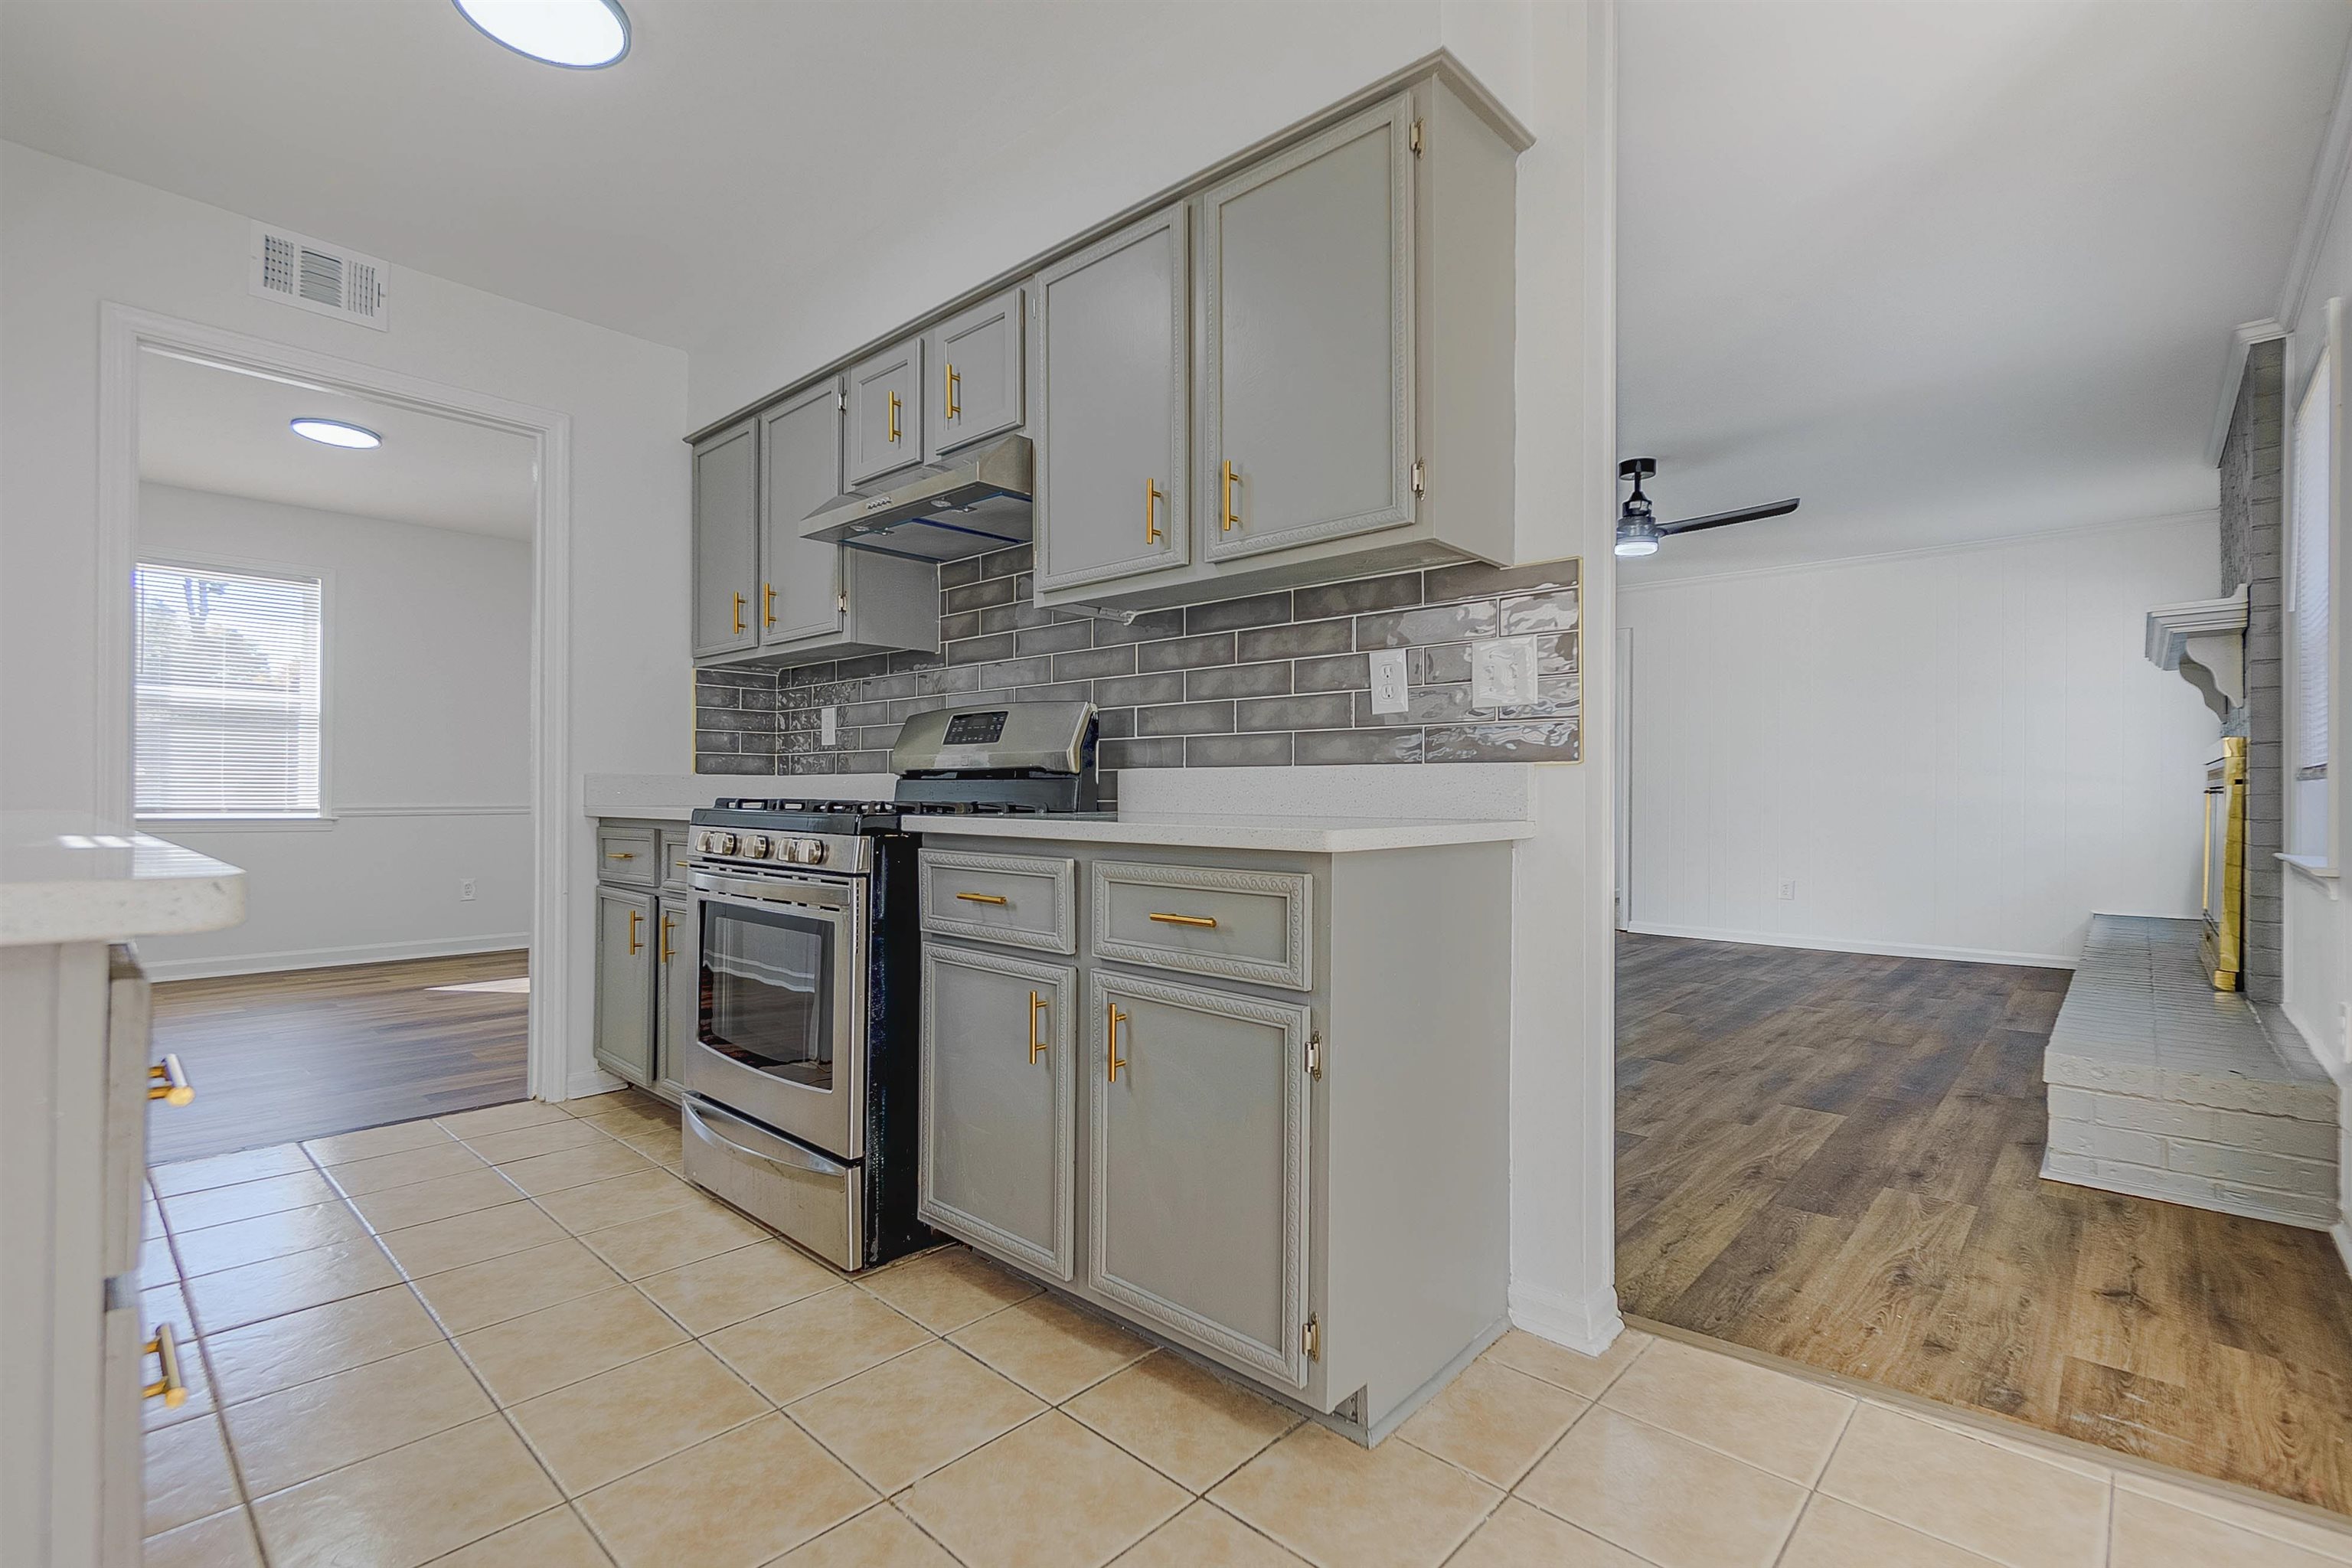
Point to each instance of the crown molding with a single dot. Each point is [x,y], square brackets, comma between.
[2243,339]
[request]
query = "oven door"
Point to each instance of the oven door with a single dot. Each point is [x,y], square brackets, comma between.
[780,1029]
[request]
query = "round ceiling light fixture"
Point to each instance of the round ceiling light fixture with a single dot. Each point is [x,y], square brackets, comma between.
[578,35]
[335,433]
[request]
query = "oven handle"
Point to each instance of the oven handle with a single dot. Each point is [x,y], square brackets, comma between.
[825,898]
[775,1150]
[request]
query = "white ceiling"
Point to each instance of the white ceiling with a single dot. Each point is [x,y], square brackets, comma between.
[1947,270]
[205,428]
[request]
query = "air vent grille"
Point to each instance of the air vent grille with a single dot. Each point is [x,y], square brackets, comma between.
[314,276]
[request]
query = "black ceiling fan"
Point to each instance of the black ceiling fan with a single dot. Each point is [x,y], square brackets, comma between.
[1638,528]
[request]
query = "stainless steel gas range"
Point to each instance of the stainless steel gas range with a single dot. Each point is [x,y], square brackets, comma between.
[801,1083]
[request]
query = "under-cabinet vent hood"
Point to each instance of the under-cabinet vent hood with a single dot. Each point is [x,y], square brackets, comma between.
[974,504]
[2205,640]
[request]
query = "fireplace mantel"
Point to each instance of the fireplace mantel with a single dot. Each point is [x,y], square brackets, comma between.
[2205,640]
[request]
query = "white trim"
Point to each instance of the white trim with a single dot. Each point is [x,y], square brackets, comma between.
[1587,1326]
[335,957]
[523,810]
[1849,944]
[591,1081]
[2243,338]
[2320,198]
[124,334]
[2340,1233]
[1957,547]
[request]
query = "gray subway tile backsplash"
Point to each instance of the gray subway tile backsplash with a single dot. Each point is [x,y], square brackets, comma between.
[1264,680]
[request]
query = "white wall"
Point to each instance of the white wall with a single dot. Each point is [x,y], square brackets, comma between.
[1960,754]
[427,742]
[71,238]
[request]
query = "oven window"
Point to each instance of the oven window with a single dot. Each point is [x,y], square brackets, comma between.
[767,992]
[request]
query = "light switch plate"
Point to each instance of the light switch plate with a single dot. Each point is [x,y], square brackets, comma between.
[828,725]
[1390,690]
[1503,672]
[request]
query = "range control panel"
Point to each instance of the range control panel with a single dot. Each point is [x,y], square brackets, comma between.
[797,852]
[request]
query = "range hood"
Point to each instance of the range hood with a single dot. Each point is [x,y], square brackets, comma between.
[977,503]
[2205,640]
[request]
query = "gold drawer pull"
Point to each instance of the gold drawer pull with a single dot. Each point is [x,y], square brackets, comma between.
[1207,922]
[168,1081]
[1231,516]
[770,592]
[635,946]
[624,855]
[1152,494]
[955,407]
[1036,1045]
[669,924]
[894,419]
[1111,1057]
[173,1391]
[739,614]
[981,898]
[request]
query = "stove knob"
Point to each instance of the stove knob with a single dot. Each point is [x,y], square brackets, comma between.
[755,846]
[726,845]
[702,842]
[812,851]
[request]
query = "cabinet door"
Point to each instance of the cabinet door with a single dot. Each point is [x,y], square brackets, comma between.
[625,983]
[800,469]
[726,540]
[997,1129]
[885,412]
[1113,368]
[1306,276]
[677,960]
[974,386]
[1198,1165]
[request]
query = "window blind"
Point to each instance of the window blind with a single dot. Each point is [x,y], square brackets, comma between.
[227,693]
[2312,460]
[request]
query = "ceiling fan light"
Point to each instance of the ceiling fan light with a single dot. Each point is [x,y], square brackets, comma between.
[1636,536]
[579,34]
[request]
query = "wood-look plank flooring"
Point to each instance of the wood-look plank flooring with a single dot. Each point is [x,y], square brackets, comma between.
[1835,1158]
[277,1057]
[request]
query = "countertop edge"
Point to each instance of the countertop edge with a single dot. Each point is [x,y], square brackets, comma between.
[46,914]
[1349,839]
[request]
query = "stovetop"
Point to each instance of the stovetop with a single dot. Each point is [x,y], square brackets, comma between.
[846,816]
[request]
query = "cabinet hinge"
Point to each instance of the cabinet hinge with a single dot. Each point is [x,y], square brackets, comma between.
[1314,1054]
[841,602]
[840,402]
[1310,1338]
[1417,138]
[1419,476]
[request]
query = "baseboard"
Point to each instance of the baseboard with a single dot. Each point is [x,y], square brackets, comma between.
[1585,1324]
[1847,944]
[329,957]
[591,1080]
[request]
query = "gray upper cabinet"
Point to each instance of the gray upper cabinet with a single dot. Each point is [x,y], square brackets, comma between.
[1307,345]
[1113,367]
[726,540]
[973,387]
[1198,1212]
[885,412]
[800,454]
[626,934]
[998,1131]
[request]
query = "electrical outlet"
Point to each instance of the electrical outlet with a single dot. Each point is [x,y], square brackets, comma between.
[1391,690]
[1788,891]
[466,890]
[1503,672]
[828,725]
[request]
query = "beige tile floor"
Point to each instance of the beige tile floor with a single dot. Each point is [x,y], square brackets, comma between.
[515,1336]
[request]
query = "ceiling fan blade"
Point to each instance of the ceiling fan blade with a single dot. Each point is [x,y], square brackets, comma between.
[1726,519]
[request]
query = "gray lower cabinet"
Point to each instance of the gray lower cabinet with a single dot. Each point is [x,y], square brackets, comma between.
[677,987]
[726,540]
[1197,1156]
[885,412]
[974,385]
[998,1163]
[1113,363]
[625,932]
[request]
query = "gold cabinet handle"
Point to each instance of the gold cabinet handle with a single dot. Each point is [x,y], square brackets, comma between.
[168,1081]
[635,946]
[955,409]
[1036,1047]
[981,898]
[894,419]
[739,614]
[1207,922]
[1231,516]
[669,924]
[1151,493]
[622,855]
[171,1388]
[1112,1060]
[770,607]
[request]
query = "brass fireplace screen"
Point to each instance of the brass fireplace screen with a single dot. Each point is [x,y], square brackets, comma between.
[2225,863]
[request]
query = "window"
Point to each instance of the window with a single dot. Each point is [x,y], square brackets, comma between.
[2311,460]
[227,677]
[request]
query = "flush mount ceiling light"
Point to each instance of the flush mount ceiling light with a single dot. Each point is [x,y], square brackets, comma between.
[579,34]
[335,433]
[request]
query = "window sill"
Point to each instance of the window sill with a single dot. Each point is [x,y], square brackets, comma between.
[164,826]
[2315,869]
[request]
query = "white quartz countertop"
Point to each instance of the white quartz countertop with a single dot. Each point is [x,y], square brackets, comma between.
[69,877]
[1212,830]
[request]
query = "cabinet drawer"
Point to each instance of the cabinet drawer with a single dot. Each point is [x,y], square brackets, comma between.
[1234,925]
[1019,900]
[673,860]
[627,856]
